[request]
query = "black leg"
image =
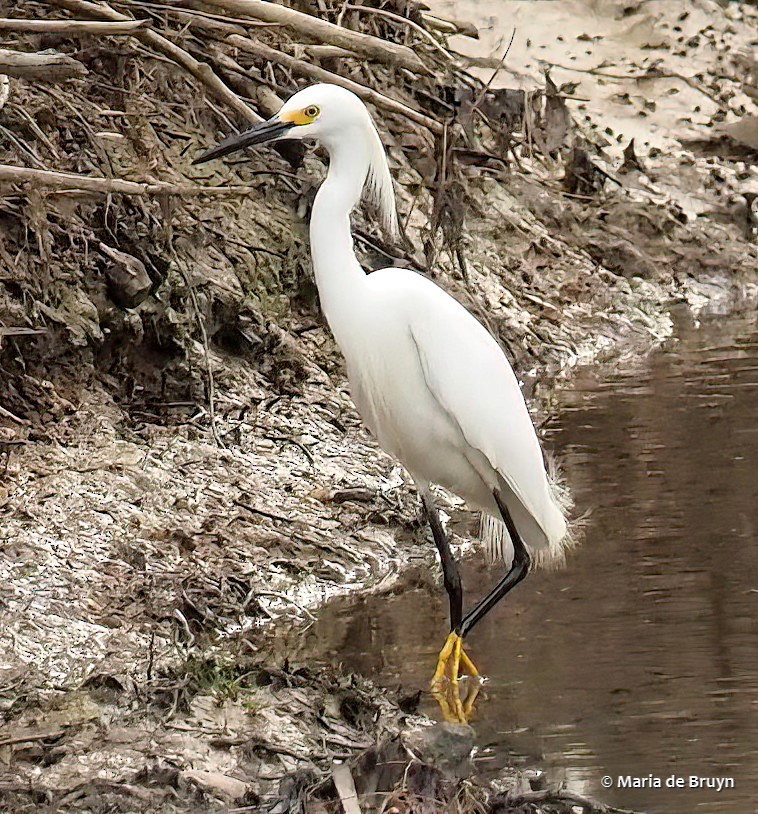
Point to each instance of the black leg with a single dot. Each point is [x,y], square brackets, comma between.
[519,569]
[449,567]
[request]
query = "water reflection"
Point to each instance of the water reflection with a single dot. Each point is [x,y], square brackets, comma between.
[642,656]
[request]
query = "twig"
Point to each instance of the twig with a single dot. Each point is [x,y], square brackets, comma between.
[286,440]
[72,182]
[182,619]
[195,12]
[211,22]
[495,72]
[48,66]
[200,70]
[35,128]
[341,15]
[262,512]
[20,331]
[8,414]
[72,27]
[207,351]
[448,26]
[276,595]
[398,18]
[326,51]
[32,736]
[325,32]
[322,75]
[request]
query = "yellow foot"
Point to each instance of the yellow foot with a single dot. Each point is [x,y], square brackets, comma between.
[445,682]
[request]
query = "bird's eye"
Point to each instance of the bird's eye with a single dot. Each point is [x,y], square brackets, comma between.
[311,112]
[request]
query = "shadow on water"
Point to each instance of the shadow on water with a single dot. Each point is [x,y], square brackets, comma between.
[641,657]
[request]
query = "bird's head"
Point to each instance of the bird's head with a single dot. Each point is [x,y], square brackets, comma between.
[338,119]
[323,112]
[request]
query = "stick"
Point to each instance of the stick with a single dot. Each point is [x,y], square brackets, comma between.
[345,785]
[211,22]
[325,32]
[322,75]
[398,18]
[13,417]
[326,51]
[495,72]
[28,737]
[45,65]
[200,70]
[70,181]
[277,595]
[448,26]
[262,512]
[71,26]
[196,11]
[20,331]
[207,351]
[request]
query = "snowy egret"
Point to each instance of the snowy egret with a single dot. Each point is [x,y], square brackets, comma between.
[429,381]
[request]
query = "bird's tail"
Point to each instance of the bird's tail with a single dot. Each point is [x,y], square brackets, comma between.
[497,543]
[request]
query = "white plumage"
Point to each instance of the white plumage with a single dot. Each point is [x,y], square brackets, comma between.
[427,378]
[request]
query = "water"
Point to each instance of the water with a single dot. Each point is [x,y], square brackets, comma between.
[641,657]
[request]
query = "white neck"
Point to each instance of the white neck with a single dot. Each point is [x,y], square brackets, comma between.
[339,276]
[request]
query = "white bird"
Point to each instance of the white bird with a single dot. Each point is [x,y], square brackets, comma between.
[428,380]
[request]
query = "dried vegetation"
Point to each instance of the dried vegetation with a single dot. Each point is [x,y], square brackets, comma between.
[179,459]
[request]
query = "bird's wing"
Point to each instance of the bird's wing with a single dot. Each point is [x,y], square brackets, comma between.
[469,375]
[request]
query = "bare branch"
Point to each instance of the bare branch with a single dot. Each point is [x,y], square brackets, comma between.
[322,75]
[28,737]
[200,70]
[324,32]
[398,18]
[47,65]
[71,182]
[5,413]
[71,27]
[447,26]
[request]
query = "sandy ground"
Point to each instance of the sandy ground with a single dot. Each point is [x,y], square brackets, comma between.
[143,566]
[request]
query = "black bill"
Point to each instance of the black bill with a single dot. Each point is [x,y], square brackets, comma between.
[259,134]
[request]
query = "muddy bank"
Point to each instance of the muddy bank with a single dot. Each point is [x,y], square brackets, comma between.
[181,465]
